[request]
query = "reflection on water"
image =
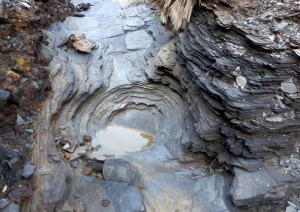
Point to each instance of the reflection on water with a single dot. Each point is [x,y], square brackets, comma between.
[116,140]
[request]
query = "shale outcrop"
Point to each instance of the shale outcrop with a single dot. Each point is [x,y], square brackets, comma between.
[239,64]
[220,100]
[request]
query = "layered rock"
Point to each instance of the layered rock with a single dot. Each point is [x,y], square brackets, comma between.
[241,76]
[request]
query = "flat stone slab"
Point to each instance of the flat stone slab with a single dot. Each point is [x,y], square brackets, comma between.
[135,22]
[138,40]
[250,187]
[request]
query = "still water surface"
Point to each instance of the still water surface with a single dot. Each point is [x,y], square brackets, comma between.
[117,140]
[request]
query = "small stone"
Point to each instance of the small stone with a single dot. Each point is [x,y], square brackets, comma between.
[13,75]
[25,5]
[74,163]
[88,146]
[275,119]
[29,131]
[105,203]
[87,138]
[297,52]
[62,127]
[35,85]
[15,195]
[20,120]
[280,27]
[82,153]
[13,161]
[99,176]
[224,19]
[4,203]
[88,171]
[78,15]
[81,44]
[55,158]
[4,189]
[4,96]
[288,87]
[66,146]
[241,81]
[57,138]
[28,170]
[24,80]
[67,155]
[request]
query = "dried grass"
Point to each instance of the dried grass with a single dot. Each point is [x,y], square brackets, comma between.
[175,14]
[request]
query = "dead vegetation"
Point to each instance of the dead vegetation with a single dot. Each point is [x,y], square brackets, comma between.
[175,14]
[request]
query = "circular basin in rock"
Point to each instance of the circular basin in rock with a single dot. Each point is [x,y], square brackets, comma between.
[117,140]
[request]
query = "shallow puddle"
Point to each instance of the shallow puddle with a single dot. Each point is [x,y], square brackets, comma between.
[117,140]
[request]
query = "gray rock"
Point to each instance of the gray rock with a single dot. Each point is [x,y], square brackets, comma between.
[241,81]
[20,120]
[97,166]
[74,163]
[288,87]
[166,56]
[224,19]
[12,207]
[297,52]
[28,169]
[123,197]
[290,209]
[266,14]
[258,41]
[29,131]
[120,170]
[78,153]
[55,158]
[280,27]
[4,203]
[138,40]
[4,96]
[62,127]
[134,23]
[261,185]
[16,194]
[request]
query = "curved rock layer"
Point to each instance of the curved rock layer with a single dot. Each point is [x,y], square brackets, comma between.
[110,86]
[199,101]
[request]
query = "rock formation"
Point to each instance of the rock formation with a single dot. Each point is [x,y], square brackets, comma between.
[239,65]
[221,99]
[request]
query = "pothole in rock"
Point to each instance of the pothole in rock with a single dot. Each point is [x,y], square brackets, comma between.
[117,140]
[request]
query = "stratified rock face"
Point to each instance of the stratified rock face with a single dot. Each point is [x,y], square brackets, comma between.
[244,98]
[243,91]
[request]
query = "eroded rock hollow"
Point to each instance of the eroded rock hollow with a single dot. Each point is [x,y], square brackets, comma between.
[219,99]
